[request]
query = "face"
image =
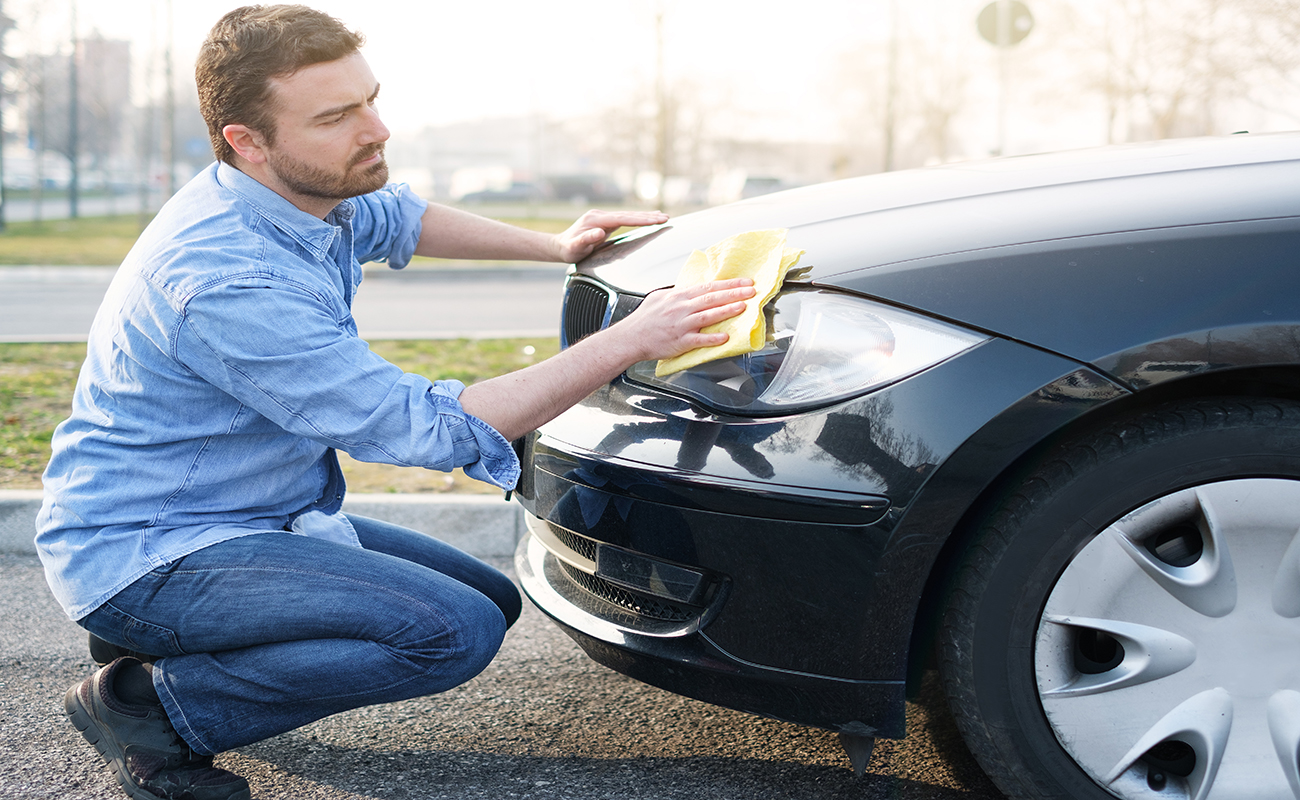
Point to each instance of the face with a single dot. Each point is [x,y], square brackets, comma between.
[329,140]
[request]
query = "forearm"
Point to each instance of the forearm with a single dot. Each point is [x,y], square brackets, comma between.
[451,233]
[521,401]
[667,323]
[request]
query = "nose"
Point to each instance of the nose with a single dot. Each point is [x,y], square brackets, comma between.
[376,130]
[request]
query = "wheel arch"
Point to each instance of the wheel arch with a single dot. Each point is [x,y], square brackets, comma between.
[1280,382]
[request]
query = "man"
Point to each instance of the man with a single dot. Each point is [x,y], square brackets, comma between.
[191,515]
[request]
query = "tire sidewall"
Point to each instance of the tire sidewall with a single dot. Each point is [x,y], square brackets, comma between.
[1049,531]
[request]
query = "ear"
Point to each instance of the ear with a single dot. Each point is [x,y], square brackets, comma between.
[246,142]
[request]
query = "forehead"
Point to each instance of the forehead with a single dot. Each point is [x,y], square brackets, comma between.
[320,87]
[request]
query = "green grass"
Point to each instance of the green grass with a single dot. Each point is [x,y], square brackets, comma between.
[104,241]
[37,381]
[93,241]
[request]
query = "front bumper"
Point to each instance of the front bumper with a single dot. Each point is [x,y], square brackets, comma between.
[776,565]
[676,656]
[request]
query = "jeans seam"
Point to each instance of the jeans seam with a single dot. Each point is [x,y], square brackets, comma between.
[184,729]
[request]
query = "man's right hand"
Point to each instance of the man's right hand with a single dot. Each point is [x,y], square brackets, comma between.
[669,321]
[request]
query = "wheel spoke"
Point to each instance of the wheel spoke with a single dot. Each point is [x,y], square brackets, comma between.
[1284,726]
[1209,584]
[1286,585]
[1148,654]
[1106,581]
[1203,722]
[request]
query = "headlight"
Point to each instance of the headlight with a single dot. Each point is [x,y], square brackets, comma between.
[822,347]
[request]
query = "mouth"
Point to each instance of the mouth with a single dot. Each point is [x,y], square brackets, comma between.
[368,157]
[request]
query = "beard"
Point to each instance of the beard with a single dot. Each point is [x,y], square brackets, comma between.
[313,181]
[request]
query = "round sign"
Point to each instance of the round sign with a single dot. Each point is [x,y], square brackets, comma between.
[1017,27]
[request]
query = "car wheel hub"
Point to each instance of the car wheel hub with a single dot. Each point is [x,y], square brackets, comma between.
[1168,653]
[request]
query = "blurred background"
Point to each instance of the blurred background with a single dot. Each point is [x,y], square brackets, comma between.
[665,103]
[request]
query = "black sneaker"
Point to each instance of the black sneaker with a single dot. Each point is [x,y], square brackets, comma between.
[151,761]
[105,652]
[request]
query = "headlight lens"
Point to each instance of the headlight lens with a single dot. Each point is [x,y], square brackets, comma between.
[822,347]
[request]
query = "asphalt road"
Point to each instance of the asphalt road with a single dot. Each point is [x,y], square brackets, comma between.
[542,722]
[57,304]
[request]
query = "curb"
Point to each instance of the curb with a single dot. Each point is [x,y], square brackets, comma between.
[484,526]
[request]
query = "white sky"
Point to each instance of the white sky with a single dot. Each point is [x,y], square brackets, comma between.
[774,67]
[441,61]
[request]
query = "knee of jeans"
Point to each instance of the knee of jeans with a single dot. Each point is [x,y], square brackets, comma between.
[489,633]
[472,647]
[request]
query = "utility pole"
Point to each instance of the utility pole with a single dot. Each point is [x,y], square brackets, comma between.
[73,102]
[891,88]
[169,111]
[6,24]
[662,128]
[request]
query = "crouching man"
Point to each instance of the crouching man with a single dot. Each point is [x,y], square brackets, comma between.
[192,515]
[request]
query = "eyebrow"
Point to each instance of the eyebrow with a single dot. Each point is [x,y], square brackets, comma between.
[336,110]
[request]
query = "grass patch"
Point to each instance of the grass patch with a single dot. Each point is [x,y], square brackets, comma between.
[37,382]
[89,241]
[105,241]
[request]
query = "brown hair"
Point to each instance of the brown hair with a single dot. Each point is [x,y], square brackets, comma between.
[250,46]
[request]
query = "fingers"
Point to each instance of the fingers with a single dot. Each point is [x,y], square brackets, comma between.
[593,227]
[698,340]
[716,314]
[714,293]
[610,221]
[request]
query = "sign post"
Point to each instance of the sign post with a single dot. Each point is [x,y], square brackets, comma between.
[1004,23]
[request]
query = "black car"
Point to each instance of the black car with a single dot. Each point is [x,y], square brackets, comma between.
[1034,420]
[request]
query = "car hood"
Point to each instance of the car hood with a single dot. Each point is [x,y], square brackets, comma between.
[908,237]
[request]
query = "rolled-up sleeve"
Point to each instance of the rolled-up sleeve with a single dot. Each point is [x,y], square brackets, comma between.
[387,225]
[279,349]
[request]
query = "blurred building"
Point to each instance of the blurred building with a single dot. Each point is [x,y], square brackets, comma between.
[584,160]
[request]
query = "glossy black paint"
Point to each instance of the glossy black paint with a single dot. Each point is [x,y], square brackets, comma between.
[960,209]
[823,569]
[1104,277]
[1203,297]
[694,669]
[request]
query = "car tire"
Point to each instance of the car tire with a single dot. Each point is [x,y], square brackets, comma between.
[1126,622]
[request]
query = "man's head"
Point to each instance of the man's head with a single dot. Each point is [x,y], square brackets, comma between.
[248,48]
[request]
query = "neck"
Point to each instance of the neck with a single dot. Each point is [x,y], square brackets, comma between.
[318,207]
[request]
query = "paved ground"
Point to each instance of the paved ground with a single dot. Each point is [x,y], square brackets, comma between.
[57,304]
[542,722]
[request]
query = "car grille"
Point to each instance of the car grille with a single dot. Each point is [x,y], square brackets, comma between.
[587,308]
[579,544]
[601,577]
[636,602]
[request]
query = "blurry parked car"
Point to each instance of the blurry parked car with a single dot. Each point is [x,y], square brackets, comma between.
[585,190]
[517,192]
[755,186]
[1037,418]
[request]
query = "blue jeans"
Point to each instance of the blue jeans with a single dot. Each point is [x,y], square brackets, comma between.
[265,633]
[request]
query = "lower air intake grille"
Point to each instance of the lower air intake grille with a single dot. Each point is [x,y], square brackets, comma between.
[579,544]
[586,310]
[643,604]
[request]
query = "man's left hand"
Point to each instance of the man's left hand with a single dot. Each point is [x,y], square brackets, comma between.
[594,227]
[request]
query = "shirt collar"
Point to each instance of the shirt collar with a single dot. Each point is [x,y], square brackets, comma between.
[313,233]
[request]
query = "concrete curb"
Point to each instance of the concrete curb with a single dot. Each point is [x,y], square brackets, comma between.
[482,525]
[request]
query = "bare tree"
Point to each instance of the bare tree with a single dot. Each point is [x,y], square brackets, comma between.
[899,96]
[1172,67]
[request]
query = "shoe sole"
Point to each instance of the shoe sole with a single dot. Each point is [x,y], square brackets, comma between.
[84,722]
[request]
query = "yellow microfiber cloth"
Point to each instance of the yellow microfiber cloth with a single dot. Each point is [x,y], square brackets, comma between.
[760,255]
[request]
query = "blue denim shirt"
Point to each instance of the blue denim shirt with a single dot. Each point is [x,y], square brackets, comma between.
[223,370]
